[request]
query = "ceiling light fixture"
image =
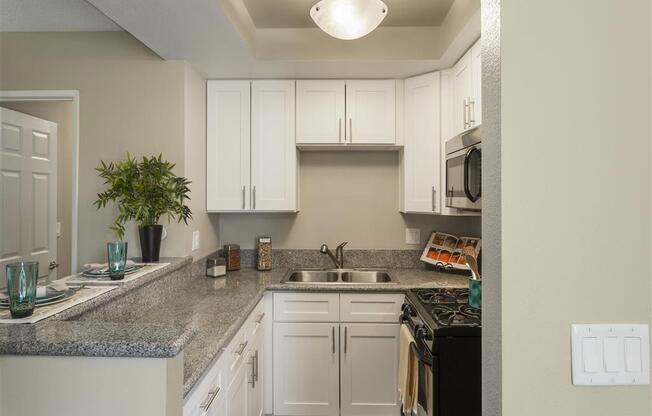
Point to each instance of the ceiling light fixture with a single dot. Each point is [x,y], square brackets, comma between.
[348,19]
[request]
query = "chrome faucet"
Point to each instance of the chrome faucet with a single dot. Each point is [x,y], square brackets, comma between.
[338,258]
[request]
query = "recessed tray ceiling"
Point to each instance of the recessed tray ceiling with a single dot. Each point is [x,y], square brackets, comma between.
[296,13]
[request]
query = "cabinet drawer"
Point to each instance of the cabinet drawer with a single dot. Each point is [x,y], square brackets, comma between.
[376,307]
[209,392]
[306,307]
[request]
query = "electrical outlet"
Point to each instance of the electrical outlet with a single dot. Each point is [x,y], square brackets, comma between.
[412,236]
[195,240]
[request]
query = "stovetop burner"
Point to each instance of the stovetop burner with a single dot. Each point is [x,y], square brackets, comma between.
[449,307]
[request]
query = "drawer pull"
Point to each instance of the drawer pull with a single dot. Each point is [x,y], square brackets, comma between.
[208,401]
[241,348]
[260,318]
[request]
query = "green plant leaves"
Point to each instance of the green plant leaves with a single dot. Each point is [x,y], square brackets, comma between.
[143,191]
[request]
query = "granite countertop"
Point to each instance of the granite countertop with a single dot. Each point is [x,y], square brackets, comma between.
[178,312]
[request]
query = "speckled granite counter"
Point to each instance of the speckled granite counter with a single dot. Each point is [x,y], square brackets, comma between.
[182,310]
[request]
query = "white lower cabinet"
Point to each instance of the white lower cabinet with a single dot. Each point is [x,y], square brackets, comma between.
[256,362]
[337,368]
[369,369]
[306,369]
[236,398]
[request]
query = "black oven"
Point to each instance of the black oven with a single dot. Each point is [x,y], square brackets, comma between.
[449,363]
[464,172]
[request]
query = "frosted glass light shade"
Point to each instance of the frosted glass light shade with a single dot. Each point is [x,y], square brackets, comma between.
[348,19]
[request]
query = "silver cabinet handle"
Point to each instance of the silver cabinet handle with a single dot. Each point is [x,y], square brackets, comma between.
[241,348]
[466,107]
[208,401]
[254,369]
[434,204]
[254,196]
[244,190]
[340,129]
[471,112]
[333,335]
[260,318]
[350,130]
[345,338]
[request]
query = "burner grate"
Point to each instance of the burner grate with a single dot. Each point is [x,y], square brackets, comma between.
[449,307]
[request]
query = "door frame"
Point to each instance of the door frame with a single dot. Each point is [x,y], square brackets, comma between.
[59,95]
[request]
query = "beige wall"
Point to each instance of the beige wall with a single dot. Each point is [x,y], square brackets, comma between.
[195,163]
[60,112]
[350,196]
[576,191]
[130,100]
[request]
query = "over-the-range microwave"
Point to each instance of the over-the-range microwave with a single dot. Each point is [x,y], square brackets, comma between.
[464,171]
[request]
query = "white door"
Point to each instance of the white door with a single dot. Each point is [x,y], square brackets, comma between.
[369,357]
[273,150]
[256,382]
[28,187]
[422,148]
[371,111]
[306,369]
[463,91]
[476,96]
[236,400]
[320,111]
[228,146]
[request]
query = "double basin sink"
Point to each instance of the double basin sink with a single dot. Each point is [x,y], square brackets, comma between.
[338,276]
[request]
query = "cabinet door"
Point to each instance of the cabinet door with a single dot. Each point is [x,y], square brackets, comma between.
[306,369]
[369,357]
[320,111]
[421,157]
[236,401]
[463,91]
[255,384]
[476,96]
[228,146]
[273,151]
[371,112]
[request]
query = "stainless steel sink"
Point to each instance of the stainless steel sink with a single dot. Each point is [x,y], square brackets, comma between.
[338,276]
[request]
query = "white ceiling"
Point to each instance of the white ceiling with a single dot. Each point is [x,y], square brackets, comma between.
[295,13]
[52,16]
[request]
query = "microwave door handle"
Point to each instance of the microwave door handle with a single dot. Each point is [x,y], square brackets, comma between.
[467,176]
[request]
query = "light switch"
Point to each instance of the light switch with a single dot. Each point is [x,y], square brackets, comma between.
[610,354]
[413,236]
[195,240]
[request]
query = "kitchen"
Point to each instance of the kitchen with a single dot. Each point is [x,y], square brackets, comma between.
[315,144]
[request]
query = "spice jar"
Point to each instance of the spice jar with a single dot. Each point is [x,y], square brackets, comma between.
[264,253]
[232,256]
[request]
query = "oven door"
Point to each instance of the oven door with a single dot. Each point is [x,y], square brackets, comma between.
[463,179]
[427,394]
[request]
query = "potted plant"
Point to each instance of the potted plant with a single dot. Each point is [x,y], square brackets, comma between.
[144,191]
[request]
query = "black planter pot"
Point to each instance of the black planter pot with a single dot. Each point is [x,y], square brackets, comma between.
[150,242]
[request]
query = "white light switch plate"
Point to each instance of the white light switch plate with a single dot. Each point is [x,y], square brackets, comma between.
[412,236]
[610,354]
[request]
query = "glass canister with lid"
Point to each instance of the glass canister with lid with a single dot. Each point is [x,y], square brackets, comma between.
[264,252]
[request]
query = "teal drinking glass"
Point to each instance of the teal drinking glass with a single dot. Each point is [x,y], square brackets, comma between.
[22,278]
[475,293]
[117,253]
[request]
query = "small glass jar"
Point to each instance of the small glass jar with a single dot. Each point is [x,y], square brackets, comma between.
[232,256]
[264,253]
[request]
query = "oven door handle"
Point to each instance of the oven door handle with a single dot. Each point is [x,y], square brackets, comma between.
[423,357]
[467,176]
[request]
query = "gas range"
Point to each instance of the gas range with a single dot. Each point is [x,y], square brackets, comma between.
[441,312]
[447,345]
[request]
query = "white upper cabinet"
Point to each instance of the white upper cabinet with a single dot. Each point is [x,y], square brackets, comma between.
[371,112]
[462,92]
[476,97]
[466,102]
[333,112]
[250,150]
[421,157]
[320,112]
[228,146]
[273,151]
